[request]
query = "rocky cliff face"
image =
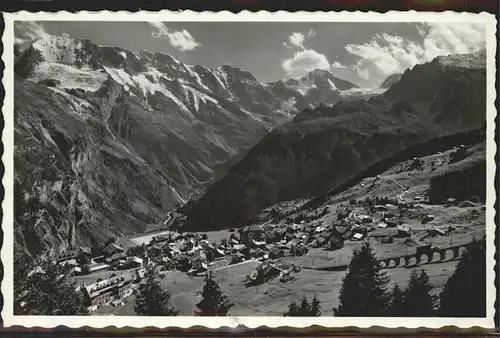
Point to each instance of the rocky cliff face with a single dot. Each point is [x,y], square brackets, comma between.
[325,146]
[108,141]
[390,80]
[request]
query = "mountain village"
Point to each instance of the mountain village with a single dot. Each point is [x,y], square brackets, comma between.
[139,177]
[109,274]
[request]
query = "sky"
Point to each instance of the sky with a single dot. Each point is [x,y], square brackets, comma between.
[363,53]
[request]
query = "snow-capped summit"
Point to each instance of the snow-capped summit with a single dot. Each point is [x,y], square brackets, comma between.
[322,77]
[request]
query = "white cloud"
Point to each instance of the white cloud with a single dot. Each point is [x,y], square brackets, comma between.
[386,54]
[298,39]
[28,30]
[303,62]
[181,40]
[338,65]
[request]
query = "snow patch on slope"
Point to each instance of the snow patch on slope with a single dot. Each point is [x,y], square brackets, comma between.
[144,84]
[304,89]
[220,75]
[198,96]
[79,106]
[70,77]
[363,92]
[332,85]
[196,76]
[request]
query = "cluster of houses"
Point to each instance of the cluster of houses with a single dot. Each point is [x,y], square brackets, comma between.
[195,254]
[85,261]
[107,290]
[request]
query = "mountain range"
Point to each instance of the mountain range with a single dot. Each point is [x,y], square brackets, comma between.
[108,141]
[323,147]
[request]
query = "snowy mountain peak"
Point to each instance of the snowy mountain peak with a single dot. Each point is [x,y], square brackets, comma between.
[323,78]
[60,49]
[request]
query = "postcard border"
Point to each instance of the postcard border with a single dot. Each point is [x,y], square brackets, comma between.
[233,321]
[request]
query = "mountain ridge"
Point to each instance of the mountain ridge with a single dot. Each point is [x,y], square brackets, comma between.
[92,112]
[298,159]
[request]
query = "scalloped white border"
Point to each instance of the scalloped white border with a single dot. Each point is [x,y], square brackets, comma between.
[251,322]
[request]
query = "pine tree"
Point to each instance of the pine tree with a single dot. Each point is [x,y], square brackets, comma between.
[396,307]
[464,294]
[45,290]
[305,308]
[417,300]
[363,291]
[152,300]
[315,310]
[214,302]
[293,310]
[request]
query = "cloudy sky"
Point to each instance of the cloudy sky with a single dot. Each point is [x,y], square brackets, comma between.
[364,53]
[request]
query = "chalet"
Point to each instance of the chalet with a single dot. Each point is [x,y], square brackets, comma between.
[67,258]
[105,291]
[133,262]
[382,225]
[357,236]
[139,274]
[197,262]
[116,257]
[160,238]
[299,249]
[98,267]
[275,252]
[68,262]
[237,257]
[112,248]
[219,253]
[427,219]
[320,240]
[251,232]
[290,244]
[365,219]
[404,231]
[239,247]
[391,223]
[83,253]
[257,244]
[263,273]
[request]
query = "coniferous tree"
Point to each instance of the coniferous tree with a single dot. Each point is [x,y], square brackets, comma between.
[45,290]
[214,302]
[315,310]
[396,307]
[305,309]
[417,300]
[293,310]
[464,294]
[152,300]
[363,291]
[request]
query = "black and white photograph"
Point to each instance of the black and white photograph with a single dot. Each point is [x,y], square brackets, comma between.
[249,168]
